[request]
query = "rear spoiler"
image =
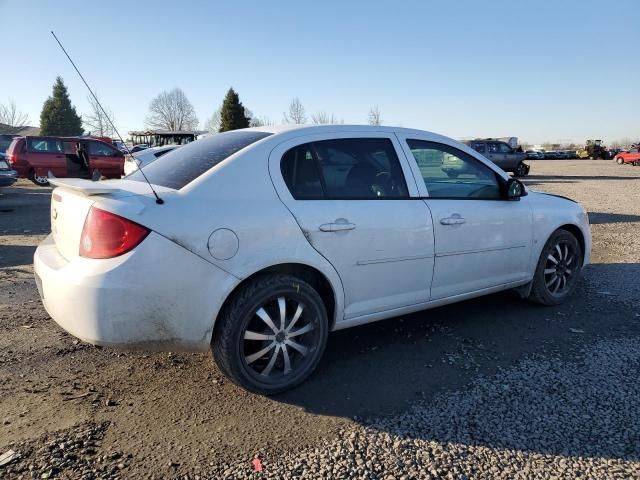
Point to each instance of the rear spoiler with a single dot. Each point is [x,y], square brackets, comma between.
[86,187]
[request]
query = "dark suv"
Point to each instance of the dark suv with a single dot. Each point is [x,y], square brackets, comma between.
[502,155]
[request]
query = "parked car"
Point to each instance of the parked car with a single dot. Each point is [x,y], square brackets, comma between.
[534,155]
[632,157]
[5,141]
[145,157]
[501,154]
[8,176]
[35,157]
[138,148]
[561,155]
[551,154]
[263,240]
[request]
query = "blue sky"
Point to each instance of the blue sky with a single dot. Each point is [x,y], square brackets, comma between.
[539,70]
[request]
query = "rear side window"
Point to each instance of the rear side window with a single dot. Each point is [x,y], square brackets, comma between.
[479,147]
[344,169]
[45,145]
[183,165]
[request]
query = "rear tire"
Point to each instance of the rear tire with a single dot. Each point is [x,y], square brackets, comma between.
[271,335]
[39,180]
[558,269]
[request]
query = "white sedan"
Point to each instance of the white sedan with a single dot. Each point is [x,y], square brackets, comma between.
[262,241]
[144,157]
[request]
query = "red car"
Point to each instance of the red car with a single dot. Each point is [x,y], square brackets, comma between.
[35,157]
[632,157]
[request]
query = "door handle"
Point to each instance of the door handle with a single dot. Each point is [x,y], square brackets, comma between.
[454,219]
[339,225]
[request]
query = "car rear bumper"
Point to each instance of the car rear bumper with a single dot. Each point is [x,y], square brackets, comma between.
[157,297]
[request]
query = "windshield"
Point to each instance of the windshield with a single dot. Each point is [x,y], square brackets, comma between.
[183,165]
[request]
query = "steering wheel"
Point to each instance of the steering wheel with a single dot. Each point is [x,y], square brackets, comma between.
[384,184]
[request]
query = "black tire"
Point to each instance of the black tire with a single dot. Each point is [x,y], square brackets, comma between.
[451,174]
[238,356]
[521,170]
[545,290]
[40,181]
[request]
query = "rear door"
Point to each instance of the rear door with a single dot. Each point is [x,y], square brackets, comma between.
[105,158]
[356,202]
[46,155]
[481,240]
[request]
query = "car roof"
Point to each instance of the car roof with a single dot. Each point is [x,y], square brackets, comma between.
[291,131]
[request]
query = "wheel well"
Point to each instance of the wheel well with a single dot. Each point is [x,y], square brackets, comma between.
[311,275]
[576,233]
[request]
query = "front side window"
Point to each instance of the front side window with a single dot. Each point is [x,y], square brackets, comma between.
[101,149]
[450,173]
[504,148]
[344,169]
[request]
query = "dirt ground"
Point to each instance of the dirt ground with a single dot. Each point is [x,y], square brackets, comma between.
[144,415]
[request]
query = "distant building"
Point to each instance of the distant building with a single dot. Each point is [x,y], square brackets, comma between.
[22,131]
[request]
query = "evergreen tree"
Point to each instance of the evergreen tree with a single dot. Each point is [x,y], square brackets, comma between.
[58,116]
[232,113]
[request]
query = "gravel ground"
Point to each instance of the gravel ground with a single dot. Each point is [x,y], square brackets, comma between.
[544,418]
[489,388]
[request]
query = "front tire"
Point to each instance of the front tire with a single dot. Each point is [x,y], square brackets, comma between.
[271,335]
[619,161]
[521,170]
[558,269]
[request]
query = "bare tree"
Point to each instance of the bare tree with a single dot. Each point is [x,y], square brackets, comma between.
[97,122]
[213,122]
[172,111]
[10,115]
[375,117]
[325,118]
[296,112]
[261,121]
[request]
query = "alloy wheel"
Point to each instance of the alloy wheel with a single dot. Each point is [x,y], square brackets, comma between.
[560,267]
[41,180]
[279,339]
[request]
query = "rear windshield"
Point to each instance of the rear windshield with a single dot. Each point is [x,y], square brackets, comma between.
[5,141]
[183,165]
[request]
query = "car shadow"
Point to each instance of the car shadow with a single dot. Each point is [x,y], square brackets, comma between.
[382,368]
[597,218]
[572,178]
[16,255]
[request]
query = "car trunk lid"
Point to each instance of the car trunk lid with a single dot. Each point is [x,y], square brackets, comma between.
[72,199]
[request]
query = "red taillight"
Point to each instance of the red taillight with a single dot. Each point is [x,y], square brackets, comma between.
[107,235]
[12,158]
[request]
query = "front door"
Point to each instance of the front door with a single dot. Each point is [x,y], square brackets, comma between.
[352,201]
[105,158]
[481,239]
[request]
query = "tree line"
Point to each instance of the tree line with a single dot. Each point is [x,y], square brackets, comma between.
[169,110]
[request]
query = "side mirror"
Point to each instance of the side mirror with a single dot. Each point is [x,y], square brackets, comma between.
[515,189]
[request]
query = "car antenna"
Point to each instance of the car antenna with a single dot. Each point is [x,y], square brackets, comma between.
[159,201]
